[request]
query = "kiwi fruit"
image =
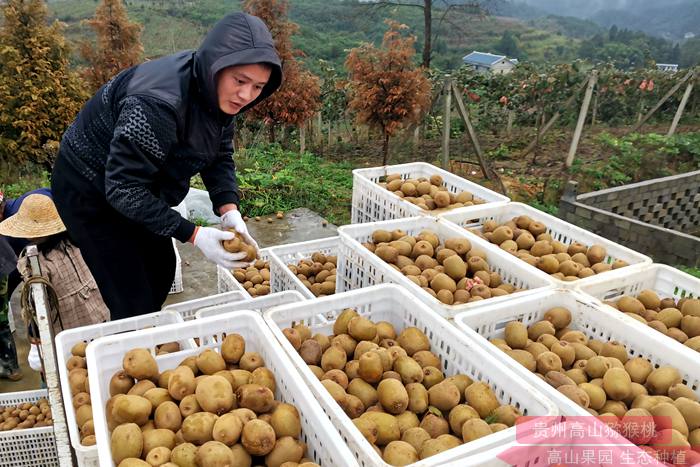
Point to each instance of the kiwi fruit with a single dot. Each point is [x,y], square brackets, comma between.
[474,428]
[387,427]
[596,254]
[617,384]
[140,364]
[434,423]
[524,357]
[259,399]
[392,396]
[614,349]
[258,437]
[516,335]
[120,383]
[575,394]
[367,427]
[548,361]
[661,379]
[126,442]
[539,328]
[627,304]
[639,369]
[335,357]
[214,394]
[340,326]
[560,317]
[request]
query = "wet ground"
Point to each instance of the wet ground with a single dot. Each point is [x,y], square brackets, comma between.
[198,274]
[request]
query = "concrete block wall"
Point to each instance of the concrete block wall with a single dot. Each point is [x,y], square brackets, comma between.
[670,202]
[644,231]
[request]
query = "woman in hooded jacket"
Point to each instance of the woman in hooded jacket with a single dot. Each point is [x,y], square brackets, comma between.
[131,151]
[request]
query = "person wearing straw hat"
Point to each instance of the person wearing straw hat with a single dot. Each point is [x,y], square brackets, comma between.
[9,368]
[9,279]
[133,148]
[79,302]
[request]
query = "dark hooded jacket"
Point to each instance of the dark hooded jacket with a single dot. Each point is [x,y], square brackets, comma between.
[152,127]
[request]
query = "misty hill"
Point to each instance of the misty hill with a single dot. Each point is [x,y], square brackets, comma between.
[670,19]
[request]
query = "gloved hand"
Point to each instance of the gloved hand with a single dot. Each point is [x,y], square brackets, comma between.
[208,239]
[232,220]
[33,357]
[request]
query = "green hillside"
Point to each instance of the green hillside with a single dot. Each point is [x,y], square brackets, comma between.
[327,28]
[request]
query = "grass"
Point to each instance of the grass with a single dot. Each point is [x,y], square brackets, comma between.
[25,183]
[272,179]
[693,271]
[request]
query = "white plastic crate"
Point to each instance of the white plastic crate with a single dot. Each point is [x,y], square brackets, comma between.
[281,278]
[65,340]
[177,281]
[324,445]
[457,354]
[562,231]
[589,317]
[258,304]
[373,203]
[664,280]
[31,446]
[227,283]
[358,267]
[188,309]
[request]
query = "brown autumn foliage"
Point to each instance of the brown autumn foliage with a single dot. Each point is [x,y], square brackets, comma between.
[39,94]
[118,43]
[388,91]
[298,98]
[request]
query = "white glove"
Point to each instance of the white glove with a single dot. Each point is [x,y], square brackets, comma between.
[232,220]
[33,358]
[208,239]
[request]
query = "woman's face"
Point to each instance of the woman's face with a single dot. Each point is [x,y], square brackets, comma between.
[238,86]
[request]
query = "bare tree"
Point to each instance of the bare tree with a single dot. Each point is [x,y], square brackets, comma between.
[442,8]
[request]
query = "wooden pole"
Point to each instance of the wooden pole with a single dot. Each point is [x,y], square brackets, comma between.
[485,169]
[302,139]
[681,107]
[447,91]
[653,110]
[595,107]
[582,118]
[551,121]
[462,110]
[509,123]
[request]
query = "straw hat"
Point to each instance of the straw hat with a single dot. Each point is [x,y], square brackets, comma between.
[37,217]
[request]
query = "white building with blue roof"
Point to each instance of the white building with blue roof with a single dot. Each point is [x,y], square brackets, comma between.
[489,63]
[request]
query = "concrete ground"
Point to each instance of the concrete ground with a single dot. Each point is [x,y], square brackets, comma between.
[198,274]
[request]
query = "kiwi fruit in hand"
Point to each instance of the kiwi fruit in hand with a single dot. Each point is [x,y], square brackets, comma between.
[237,244]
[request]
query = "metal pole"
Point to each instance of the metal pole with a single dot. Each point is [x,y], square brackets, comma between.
[48,351]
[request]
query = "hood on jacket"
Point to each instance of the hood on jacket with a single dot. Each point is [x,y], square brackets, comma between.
[237,39]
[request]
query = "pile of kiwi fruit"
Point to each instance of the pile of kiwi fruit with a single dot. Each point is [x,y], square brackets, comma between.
[80,388]
[214,409]
[317,273]
[429,194]
[27,415]
[678,320]
[237,244]
[529,240]
[604,379]
[393,388]
[453,272]
[255,278]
